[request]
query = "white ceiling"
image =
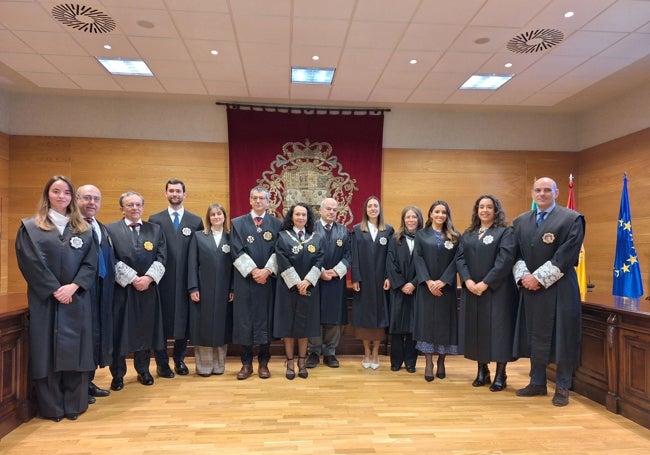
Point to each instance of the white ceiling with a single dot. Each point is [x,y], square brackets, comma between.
[605,50]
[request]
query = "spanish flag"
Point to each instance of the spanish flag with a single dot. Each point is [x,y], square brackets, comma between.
[581,268]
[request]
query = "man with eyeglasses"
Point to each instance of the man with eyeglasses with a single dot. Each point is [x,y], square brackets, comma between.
[178,226]
[253,238]
[89,201]
[140,255]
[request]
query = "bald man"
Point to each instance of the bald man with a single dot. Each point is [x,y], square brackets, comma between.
[549,316]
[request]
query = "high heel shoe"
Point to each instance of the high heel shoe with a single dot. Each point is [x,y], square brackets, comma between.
[499,378]
[302,367]
[291,373]
[428,370]
[375,365]
[441,373]
[365,364]
[482,376]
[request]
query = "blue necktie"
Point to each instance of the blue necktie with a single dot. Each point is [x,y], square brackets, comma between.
[540,217]
[177,221]
[101,266]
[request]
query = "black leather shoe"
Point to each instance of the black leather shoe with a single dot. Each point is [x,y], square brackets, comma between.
[181,368]
[395,367]
[532,390]
[561,397]
[117,384]
[313,360]
[410,369]
[95,391]
[145,378]
[72,416]
[55,419]
[91,399]
[329,360]
[164,371]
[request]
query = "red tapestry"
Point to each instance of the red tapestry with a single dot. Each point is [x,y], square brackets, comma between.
[305,155]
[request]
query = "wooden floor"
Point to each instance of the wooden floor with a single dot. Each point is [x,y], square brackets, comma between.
[347,410]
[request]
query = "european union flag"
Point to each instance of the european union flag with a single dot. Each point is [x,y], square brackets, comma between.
[627,273]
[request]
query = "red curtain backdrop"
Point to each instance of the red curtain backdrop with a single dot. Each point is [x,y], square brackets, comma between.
[304,155]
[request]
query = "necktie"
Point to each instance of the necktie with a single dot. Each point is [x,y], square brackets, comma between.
[300,235]
[328,227]
[258,221]
[135,231]
[540,217]
[177,221]
[101,265]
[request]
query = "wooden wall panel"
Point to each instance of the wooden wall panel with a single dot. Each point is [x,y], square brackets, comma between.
[420,177]
[599,184]
[4,209]
[115,166]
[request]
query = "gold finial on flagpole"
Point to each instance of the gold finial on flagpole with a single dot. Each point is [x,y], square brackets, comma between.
[570,177]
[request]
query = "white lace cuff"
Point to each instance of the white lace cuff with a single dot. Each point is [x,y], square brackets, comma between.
[313,275]
[340,269]
[272,264]
[156,271]
[244,265]
[124,274]
[547,274]
[519,270]
[290,277]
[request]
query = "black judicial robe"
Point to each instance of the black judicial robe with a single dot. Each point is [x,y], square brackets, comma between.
[400,268]
[253,305]
[369,306]
[210,272]
[295,315]
[487,322]
[549,321]
[336,253]
[60,335]
[436,318]
[102,303]
[137,318]
[174,298]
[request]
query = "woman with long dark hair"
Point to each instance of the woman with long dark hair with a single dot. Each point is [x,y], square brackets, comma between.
[489,295]
[436,319]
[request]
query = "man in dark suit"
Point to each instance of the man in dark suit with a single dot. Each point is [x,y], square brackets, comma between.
[253,238]
[89,201]
[332,285]
[178,225]
[140,254]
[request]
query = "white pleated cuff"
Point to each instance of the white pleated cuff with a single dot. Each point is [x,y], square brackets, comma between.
[244,265]
[156,271]
[313,276]
[290,277]
[124,274]
[519,270]
[547,274]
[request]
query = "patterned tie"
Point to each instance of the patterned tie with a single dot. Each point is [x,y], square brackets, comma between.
[177,221]
[258,221]
[540,217]
[328,227]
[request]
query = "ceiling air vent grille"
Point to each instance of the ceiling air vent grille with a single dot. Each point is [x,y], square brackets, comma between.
[83,18]
[535,41]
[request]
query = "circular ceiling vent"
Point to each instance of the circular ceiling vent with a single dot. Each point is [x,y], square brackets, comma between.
[83,18]
[535,41]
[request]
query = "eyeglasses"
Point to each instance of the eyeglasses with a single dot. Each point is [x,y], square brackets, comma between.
[133,205]
[89,198]
[259,198]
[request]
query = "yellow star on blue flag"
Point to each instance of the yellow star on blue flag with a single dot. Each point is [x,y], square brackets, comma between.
[627,272]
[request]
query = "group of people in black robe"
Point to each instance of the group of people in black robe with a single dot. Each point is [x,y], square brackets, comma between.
[519,294]
[99,293]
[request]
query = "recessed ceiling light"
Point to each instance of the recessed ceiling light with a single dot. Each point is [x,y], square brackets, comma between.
[413,61]
[568,14]
[107,46]
[124,67]
[145,24]
[214,52]
[301,75]
[485,81]
[483,40]
[508,65]
[315,57]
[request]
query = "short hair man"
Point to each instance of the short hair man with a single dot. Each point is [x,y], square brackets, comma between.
[178,225]
[253,238]
[332,285]
[140,254]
